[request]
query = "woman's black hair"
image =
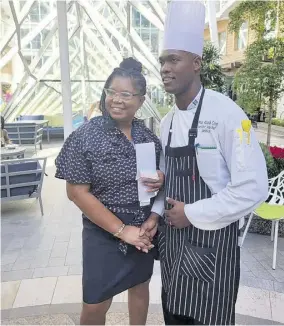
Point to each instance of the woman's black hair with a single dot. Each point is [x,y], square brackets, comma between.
[2,122]
[131,68]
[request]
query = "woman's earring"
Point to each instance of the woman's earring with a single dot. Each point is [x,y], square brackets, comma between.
[138,114]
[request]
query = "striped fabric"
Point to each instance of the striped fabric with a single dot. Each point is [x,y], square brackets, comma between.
[200,272]
[200,269]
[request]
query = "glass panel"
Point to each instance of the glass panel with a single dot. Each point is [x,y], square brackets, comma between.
[34,12]
[38,11]
[94,65]
[155,41]
[145,35]
[135,17]
[222,42]
[144,22]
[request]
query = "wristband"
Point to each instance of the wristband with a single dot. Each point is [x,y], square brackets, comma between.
[119,230]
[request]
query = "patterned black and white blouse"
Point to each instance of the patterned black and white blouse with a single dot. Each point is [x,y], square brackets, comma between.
[99,154]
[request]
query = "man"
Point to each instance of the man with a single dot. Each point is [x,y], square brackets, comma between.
[215,175]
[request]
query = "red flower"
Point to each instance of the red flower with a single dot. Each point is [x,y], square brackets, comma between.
[277,152]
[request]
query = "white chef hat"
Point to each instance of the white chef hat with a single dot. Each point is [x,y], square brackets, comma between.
[184,26]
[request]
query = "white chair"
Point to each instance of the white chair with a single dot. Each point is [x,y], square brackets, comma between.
[272,210]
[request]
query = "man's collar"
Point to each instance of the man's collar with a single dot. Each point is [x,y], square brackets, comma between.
[193,105]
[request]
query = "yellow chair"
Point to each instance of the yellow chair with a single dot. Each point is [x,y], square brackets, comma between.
[272,210]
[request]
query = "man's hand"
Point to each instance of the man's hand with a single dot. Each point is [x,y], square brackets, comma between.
[149,228]
[131,235]
[176,216]
[154,185]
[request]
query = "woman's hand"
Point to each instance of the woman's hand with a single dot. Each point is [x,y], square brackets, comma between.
[131,235]
[154,185]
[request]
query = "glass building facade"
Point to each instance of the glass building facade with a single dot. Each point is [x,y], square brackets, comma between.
[100,34]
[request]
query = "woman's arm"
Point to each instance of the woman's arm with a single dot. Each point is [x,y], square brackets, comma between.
[101,216]
[92,207]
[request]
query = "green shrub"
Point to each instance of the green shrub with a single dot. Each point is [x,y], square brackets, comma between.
[279,164]
[278,122]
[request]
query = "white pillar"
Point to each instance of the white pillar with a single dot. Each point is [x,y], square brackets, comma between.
[64,67]
[129,26]
[211,7]
[17,71]
[83,65]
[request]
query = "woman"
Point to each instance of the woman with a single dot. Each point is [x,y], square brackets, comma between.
[4,134]
[98,161]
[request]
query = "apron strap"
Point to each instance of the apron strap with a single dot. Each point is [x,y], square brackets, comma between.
[193,131]
[170,132]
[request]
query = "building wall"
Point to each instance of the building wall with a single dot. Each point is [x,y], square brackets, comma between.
[232,53]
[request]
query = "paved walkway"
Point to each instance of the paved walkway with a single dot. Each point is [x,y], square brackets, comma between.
[274,128]
[41,266]
[277,134]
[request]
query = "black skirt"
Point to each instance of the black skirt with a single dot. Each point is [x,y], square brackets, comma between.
[106,270]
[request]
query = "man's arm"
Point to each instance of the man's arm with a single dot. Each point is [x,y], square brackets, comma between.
[248,186]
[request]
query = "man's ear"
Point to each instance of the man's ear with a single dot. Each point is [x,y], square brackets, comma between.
[197,63]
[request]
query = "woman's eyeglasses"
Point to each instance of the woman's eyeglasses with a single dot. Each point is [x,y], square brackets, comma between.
[125,96]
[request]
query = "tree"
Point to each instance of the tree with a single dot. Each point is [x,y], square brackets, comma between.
[261,78]
[211,71]
[262,16]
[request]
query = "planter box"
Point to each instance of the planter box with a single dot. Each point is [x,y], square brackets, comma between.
[261,226]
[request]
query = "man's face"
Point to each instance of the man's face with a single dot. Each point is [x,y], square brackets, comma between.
[178,70]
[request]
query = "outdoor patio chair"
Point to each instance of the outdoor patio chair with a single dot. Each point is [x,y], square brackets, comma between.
[25,134]
[22,179]
[31,117]
[272,210]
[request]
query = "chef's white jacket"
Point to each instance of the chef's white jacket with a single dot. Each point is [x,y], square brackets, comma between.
[230,161]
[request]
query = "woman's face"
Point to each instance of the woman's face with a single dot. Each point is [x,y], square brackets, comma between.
[122,99]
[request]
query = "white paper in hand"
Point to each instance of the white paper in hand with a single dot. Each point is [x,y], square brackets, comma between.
[146,168]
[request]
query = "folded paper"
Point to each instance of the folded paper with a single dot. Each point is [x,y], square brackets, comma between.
[146,168]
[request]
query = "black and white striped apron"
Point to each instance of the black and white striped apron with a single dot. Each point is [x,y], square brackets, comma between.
[200,269]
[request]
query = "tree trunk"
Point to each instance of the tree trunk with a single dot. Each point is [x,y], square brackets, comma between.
[269,121]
